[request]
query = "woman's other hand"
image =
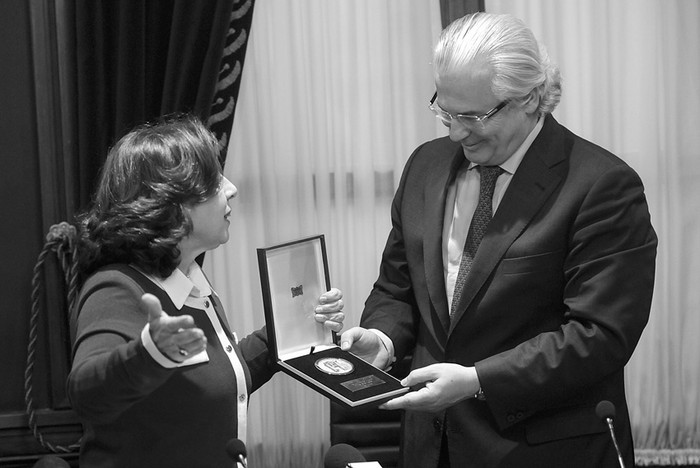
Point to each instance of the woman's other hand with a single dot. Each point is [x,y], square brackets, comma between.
[330,310]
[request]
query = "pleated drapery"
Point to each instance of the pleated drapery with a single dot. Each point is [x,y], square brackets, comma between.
[334,97]
[139,60]
[630,73]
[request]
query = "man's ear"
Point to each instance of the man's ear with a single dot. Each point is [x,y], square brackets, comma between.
[531,102]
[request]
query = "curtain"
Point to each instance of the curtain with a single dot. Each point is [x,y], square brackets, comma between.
[453,9]
[333,100]
[100,68]
[630,71]
[137,60]
[223,105]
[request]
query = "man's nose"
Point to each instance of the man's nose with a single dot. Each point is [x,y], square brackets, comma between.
[458,131]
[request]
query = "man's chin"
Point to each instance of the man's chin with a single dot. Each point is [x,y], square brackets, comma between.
[476,154]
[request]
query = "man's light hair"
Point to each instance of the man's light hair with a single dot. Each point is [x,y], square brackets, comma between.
[502,43]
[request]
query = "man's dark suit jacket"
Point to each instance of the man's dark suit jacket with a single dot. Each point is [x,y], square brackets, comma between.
[556,301]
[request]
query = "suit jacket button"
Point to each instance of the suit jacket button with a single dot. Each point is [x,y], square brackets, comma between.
[510,418]
[519,414]
[437,424]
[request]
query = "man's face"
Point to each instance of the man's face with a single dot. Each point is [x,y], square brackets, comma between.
[469,92]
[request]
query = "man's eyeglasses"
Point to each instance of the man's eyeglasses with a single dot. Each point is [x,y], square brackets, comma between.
[467,120]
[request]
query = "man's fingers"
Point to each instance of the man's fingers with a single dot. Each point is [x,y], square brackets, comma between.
[417,376]
[409,400]
[423,399]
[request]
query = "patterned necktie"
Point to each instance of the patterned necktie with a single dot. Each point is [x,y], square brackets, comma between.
[477,228]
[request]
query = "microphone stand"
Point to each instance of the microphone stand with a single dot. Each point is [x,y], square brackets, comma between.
[614,439]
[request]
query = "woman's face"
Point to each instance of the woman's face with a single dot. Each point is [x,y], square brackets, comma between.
[210,220]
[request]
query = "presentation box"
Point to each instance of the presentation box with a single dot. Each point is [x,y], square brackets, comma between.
[293,275]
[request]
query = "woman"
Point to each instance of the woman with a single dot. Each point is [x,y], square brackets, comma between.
[158,378]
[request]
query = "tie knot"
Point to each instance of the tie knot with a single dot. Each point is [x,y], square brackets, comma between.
[489,174]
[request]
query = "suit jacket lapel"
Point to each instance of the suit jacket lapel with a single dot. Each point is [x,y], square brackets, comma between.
[436,187]
[532,184]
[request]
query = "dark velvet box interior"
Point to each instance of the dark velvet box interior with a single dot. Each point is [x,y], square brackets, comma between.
[382,382]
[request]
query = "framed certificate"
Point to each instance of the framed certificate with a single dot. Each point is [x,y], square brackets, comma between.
[293,275]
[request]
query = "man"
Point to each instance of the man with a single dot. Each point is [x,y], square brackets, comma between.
[516,339]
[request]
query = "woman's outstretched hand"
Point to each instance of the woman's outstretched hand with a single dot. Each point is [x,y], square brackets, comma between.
[175,337]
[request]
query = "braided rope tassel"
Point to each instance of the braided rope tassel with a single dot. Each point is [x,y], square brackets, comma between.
[62,240]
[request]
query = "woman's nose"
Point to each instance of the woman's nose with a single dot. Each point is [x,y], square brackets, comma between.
[229,189]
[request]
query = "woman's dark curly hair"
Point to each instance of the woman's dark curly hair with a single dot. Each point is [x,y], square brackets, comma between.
[149,176]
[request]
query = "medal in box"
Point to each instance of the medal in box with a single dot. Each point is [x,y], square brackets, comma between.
[293,276]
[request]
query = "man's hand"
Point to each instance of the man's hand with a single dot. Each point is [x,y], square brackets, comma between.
[329,311]
[175,337]
[445,385]
[366,345]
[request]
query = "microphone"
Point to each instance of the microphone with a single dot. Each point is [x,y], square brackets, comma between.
[340,455]
[605,410]
[237,451]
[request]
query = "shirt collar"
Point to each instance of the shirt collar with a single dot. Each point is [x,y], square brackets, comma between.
[512,163]
[179,286]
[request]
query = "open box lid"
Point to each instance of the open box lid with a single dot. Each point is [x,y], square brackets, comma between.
[293,275]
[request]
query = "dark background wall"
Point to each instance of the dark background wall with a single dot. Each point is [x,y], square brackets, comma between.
[65,96]
[20,240]
[22,234]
